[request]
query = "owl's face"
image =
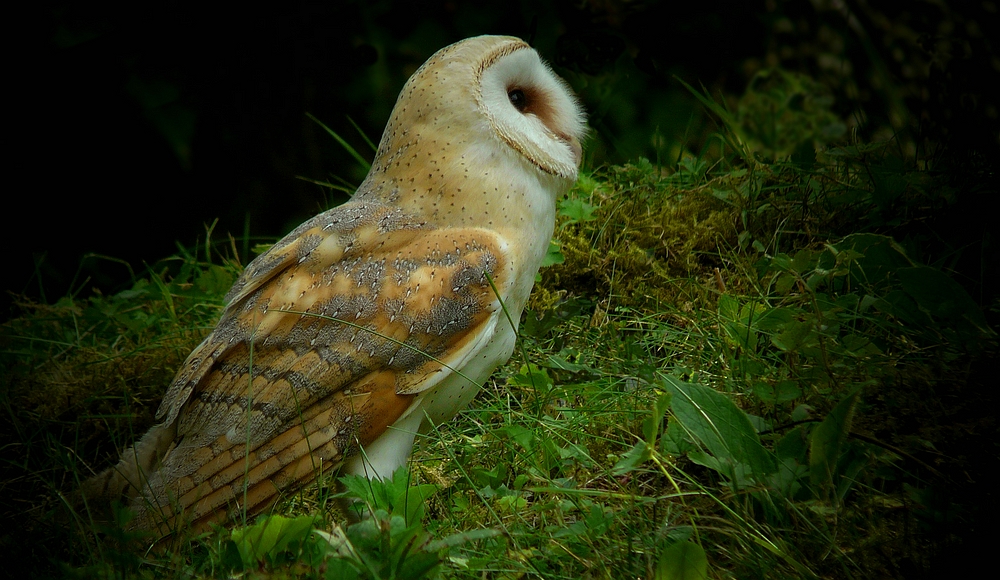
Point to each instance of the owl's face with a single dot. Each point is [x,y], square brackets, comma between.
[531,109]
[481,100]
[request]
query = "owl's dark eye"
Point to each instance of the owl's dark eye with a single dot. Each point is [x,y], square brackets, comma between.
[518,99]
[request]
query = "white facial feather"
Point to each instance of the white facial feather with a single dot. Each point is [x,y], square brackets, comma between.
[548,136]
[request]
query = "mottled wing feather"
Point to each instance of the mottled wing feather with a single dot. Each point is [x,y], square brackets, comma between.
[226,478]
[317,352]
[350,230]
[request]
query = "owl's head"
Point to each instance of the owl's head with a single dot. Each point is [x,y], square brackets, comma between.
[489,94]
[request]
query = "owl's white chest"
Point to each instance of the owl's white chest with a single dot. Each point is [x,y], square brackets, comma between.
[442,402]
[433,407]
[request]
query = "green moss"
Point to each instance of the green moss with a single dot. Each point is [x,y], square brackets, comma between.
[649,241]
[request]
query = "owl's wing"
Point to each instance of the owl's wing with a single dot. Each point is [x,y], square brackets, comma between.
[326,341]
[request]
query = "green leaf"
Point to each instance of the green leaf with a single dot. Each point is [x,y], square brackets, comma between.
[827,442]
[394,495]
[462,538]
[576,210]
[740,321]
[553,255]
[636,456]
[642,451]
[802,412]
[901,305]
[774,319]
[676,441]
[937,294]
[214,281]
[338,569]
[794,445]
[231,557]
[782,392]
[682,561]
[729,307]
[532,376]
[651,425]
[859,345]
[736,473]
[882,257]
[271,535]
[794,335]
[803,261]
[852,461]
[519,434]
[722,428]
[558,362]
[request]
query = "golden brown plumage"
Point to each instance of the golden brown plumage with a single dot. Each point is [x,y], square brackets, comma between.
[376,315]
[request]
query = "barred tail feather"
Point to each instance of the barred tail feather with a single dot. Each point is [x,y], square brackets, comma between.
[124,481]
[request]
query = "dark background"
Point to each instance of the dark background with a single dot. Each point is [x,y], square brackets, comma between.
[136,126]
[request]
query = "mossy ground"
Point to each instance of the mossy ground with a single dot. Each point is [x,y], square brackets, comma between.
[815,310]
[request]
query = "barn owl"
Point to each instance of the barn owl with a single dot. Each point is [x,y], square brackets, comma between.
[378,316]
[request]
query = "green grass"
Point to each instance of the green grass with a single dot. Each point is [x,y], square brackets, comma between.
[749,368]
